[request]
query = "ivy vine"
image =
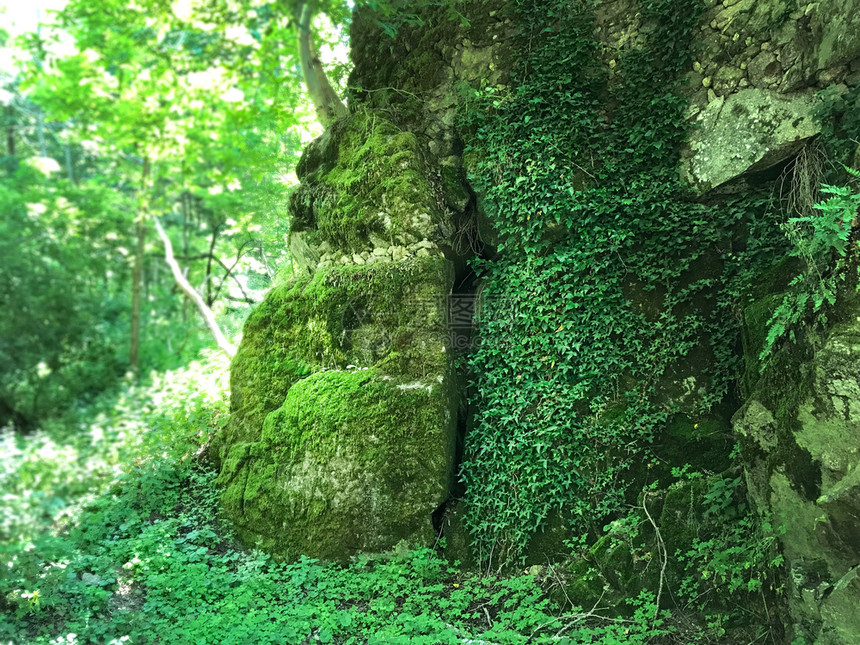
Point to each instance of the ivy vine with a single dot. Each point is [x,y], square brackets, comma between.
[609,276]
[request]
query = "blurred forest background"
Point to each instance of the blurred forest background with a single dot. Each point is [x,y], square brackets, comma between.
[115,115]
[111,117]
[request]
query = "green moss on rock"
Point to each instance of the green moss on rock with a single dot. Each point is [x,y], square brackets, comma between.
[343,427]
[362,315]
[354,461]
[365,177]
[801,431]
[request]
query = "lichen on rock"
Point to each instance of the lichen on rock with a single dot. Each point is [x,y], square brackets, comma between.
[748,131]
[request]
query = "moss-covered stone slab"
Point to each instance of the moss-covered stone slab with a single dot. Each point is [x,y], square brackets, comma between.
[751,130]
[365,178]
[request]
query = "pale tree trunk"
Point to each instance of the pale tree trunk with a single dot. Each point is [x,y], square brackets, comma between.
[223,344]
[137,272]
[326,102]
[69,168]
[10,130]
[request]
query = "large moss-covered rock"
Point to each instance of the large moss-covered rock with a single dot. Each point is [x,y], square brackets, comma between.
[342,435]
[363,315]
[344,403]
[364,185]
[353,461]
[802,450]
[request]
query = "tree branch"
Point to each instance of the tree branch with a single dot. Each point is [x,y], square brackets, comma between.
[326,102]
[246,299]
[229,273]
[661,553]
[223,344]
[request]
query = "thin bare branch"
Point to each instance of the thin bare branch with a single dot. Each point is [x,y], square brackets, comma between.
[661,552]
[223,344]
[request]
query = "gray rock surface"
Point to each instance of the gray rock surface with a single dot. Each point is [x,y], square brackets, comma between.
[749,131]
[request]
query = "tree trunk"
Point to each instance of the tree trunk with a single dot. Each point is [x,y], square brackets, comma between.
[223,344]
[10,131]
[326,102]
[209,298]
[137,273]
[186,215]
[69,168]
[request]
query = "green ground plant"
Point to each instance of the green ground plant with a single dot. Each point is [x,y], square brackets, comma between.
[111,534]
[733,561]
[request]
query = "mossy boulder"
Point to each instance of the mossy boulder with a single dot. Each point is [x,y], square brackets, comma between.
[801,436]
[365,180]
[343,425]
[353,461]
[344,401]
[387,315]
